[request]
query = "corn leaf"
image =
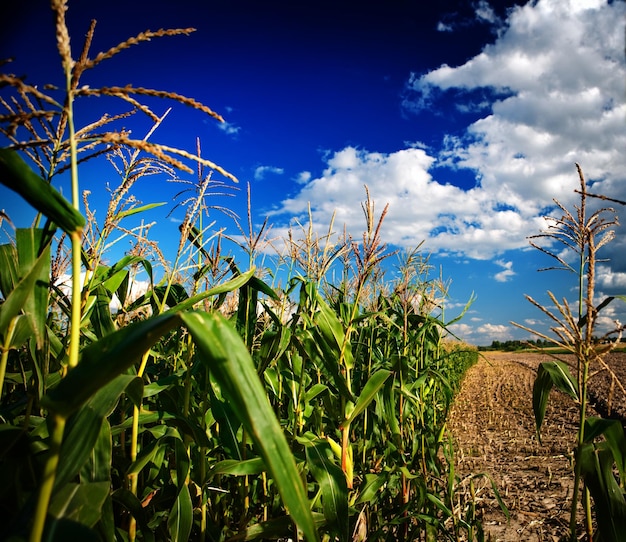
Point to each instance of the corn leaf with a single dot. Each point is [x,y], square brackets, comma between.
[332,482]
[104,360]
[180,519]
[98,466]
[29,249]
[19,177]
[223,351]
[225,287]
[235,467]
[613,432]
[550,374]
[136,210]
[81,503]
[17,300]
[83,428]
[597,469]
[375,382]
[8,264]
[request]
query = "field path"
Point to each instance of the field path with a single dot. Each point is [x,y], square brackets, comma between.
[493,427]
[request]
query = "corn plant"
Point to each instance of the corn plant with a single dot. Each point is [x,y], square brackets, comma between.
[584,233]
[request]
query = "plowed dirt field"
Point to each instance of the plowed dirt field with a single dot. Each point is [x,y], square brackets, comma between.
[493,426]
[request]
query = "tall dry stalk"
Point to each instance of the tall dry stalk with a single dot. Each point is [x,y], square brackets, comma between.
[583,234]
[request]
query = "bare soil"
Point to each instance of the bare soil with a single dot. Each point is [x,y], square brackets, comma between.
[493,426]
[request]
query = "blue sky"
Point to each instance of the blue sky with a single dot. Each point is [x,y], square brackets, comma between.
[465,117]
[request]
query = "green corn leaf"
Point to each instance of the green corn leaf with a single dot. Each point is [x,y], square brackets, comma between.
[551,374]
[105,359]
[333,332]
[81,503]
[610,506]
[137,210]
[235,467]
[17,300]
[229,425]
[19,177]
[375,382]
[98,466]
[225,287]
[312,345]
[613,432]
[84,428]
[223,351]
[332,482]
[21,332]
[314,391]
[8,264]
[389,408]
[370,487]
[147,455]
[180,519]
[100,315]
[29,249]
[124,498]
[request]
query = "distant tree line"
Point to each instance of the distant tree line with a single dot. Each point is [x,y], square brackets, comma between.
[515,345]
[512,346]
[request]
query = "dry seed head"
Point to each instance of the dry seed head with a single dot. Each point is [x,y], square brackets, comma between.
[63,38]
[143,36]
[160,152]
[129,89]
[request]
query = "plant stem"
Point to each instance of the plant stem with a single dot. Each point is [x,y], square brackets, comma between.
[5,352]
[49,476]
[76,302]
[134,448]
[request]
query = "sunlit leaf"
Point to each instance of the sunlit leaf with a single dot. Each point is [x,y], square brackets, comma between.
[102,361]
[368,393]
[19,177]
[550,374]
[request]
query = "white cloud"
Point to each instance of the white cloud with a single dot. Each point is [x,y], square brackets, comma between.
[551,90]
[229,128]
[557,74]
[261,171]
[482,335]
[484,12]
[448,218]
[611,280]
[506,273]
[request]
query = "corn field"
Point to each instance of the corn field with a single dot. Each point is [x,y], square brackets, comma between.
[218,404]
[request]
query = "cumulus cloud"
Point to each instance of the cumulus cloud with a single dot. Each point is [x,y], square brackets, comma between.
[447,217]
[556,72]
[610,280]
[506,273]
[261,171]
[482,335]
[550,90]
